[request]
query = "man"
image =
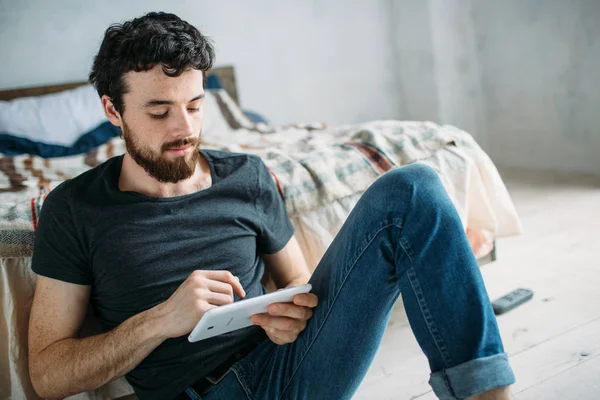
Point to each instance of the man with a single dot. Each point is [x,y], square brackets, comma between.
[155,238]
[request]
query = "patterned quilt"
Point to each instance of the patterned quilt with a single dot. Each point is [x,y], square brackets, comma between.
[312,166]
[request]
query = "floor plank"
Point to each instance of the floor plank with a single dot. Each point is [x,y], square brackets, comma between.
[578,383]
[546,360]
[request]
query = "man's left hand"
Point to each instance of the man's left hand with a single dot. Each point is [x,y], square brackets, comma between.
[285,321]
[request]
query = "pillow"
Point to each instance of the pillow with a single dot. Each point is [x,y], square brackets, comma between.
[255,117]
[222,116]
[213,82]
[58,118]
[14,145]
[28,124]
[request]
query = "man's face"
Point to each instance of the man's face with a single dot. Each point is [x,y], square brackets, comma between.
[162,122]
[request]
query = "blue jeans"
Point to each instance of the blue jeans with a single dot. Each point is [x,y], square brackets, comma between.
[403,236]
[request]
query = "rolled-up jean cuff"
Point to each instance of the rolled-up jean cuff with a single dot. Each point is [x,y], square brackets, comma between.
[473,377]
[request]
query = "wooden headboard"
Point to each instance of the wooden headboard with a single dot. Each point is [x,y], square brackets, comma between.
[226,76]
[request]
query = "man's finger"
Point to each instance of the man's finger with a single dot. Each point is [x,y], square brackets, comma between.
[279,323]
[290,310]
[306,299]
[219,299]
[227,277]
[220,287]
[281,337]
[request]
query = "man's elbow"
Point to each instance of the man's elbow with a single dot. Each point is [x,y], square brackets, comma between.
[36,382]
[39,381]
[36,379]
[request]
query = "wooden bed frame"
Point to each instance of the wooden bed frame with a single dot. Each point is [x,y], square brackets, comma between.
[491,257]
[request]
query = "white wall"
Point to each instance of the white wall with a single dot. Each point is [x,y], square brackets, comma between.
[296,61]
[522,76]
[437,68]
[540,65]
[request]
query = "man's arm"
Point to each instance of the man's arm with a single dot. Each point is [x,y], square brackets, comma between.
[284,321]
[287,267]
[61,364]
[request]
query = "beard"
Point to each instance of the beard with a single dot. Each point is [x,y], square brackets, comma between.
[156,165]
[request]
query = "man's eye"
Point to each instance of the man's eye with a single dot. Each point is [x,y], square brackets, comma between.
[194,110]
[159,116]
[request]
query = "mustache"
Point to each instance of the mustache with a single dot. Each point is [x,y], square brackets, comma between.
[194,141]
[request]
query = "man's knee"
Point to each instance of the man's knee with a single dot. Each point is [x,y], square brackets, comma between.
[417,174]
[405,182]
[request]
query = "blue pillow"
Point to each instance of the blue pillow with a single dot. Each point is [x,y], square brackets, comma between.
[14,145]
[255,117]
[213,82]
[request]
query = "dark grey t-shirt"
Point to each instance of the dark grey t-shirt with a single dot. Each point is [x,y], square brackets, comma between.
[136,250]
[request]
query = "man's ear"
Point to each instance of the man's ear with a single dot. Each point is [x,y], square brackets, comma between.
[111,112]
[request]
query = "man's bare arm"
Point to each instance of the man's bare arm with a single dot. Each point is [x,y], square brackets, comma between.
[288,267]
[61,364]
[73,365]
[284,321]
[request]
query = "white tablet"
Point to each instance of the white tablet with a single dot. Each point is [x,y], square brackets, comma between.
[231,317]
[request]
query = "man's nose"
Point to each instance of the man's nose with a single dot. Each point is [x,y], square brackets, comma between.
[183,124]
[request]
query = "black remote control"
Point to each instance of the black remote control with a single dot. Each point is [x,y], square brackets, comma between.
[511,300]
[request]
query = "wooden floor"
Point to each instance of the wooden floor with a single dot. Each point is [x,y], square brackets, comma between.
[554,340]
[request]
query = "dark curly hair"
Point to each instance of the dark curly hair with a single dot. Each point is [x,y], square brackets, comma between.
[140,44]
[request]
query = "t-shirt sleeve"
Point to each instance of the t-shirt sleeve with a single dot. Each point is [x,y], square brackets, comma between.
[58,252]
[276,227]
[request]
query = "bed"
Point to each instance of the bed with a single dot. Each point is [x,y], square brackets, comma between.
[320,171]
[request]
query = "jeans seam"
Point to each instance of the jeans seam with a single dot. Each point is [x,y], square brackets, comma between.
[406,248]
[448,384]
[242,383]
[416,288]
[192,394]
[353,264]
[439,343]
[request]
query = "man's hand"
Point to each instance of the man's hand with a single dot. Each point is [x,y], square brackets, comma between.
[200,292]
[285,321]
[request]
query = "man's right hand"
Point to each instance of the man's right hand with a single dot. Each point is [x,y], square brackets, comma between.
[200,292]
